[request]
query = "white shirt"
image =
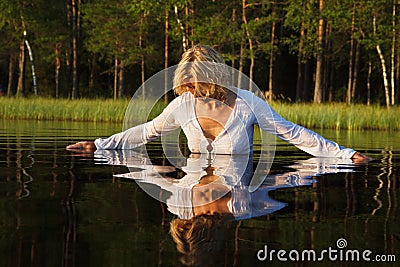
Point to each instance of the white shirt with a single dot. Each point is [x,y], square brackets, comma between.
[237,135]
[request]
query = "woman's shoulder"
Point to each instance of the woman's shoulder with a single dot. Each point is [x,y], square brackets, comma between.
[250,97]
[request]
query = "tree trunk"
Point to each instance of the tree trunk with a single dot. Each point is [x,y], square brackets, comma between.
[233,51]
[355,70]
[11,71]
[383,63]
[192,12]
[271,62]
[327,62]
[351,59]
[92,64]
[166,29]
[299,81]
[331,84]
[115,78]
[21,68]
[369,83]
[392,65]
[241,51]
[33,68]
[187,25]
[57,69]
[318,69]
[75,44]
[143,72]
[384,75]
[397,76]
[244,19]
[183,32]
[121,79]
[142,65]
[68,50]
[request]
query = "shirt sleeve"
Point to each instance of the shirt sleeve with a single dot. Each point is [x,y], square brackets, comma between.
[301,137]
[143,133]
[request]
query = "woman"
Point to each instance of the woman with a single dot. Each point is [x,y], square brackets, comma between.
[216,117]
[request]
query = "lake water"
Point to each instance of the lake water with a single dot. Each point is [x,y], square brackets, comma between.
[62,209]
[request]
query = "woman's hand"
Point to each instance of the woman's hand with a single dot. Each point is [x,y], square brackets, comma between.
[84,146]
[360,158]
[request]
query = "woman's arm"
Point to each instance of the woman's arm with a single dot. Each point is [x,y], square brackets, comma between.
[137,135]
[300,136]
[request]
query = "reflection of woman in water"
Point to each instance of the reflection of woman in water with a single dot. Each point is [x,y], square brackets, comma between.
[214,192]
[203,233]
[217,117]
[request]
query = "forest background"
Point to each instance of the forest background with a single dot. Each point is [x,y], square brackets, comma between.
[294,50]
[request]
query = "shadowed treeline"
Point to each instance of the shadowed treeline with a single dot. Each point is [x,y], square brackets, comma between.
[319,51]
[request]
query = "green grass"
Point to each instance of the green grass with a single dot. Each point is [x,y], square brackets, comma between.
[340,116]
[97,110]
[332,116]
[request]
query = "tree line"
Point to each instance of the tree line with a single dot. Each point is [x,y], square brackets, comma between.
[297,50]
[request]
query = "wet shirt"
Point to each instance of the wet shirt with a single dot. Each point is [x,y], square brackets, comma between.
[237,135]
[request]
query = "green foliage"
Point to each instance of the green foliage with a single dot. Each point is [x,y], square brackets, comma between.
[112,30]
[298,13]
[129,31]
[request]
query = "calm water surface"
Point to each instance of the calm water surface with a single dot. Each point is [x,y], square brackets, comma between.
[62,209]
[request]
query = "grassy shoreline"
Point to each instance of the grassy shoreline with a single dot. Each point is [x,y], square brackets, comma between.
[316,116]
[341,116]
[91,110]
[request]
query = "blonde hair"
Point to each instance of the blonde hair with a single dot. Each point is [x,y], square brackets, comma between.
[197,237]
[205,70]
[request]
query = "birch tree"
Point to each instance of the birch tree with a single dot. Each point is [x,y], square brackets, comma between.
[383,62]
